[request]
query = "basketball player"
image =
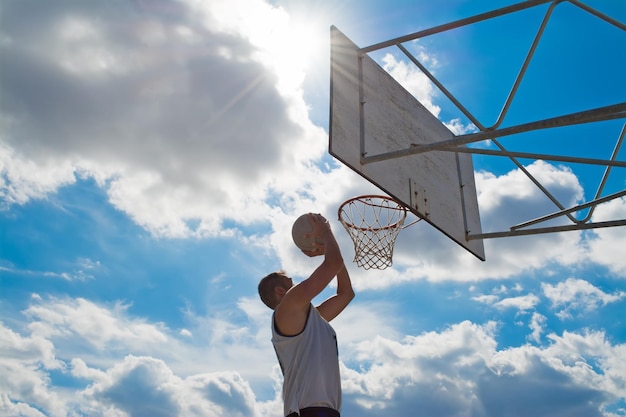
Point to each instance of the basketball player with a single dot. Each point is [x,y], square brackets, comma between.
[305,343]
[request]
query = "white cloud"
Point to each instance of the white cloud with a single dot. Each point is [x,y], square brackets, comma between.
[457,127]
[182,119]
[496,299]
[444,372]
[537,324]
[146,386]
[489,299]
[132,386]
[24,384]
[99,333]
[460,372]
[523,302]
[577,295]
[79,273]
[80,369]
[23,179]
[607,248]
[101,327]
[94,339]
[366,322]
[515,198]
[590,359]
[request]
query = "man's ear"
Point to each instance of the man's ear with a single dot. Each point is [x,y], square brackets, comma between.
[279,290]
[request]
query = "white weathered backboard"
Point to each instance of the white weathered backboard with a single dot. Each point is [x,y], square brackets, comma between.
[372,114]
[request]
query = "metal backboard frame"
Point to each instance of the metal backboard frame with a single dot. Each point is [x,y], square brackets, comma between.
[368,111]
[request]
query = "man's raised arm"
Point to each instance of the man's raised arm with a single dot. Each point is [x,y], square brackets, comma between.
[305,291]
[331,308]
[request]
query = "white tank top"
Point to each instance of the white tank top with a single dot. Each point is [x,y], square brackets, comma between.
[310,365]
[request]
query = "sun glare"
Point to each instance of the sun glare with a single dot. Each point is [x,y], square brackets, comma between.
[301,50]
[294,45]
[291,42]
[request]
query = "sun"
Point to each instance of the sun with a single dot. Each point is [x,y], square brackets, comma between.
[295,44]
[300,50]
[307,36]
[292,39]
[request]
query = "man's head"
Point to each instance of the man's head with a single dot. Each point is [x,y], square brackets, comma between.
[273,287]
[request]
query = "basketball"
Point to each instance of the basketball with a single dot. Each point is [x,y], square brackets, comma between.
[299,231]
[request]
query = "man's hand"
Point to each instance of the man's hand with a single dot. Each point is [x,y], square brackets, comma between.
[318,249]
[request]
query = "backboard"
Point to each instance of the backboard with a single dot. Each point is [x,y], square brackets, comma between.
[372,114]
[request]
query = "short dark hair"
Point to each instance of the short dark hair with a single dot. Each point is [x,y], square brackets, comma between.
[266,288]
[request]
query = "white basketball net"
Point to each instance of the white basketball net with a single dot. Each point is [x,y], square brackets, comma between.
[373,223]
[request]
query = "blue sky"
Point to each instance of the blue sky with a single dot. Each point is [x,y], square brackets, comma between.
[154,153]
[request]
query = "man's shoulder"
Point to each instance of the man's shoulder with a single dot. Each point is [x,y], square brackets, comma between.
[290,322]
